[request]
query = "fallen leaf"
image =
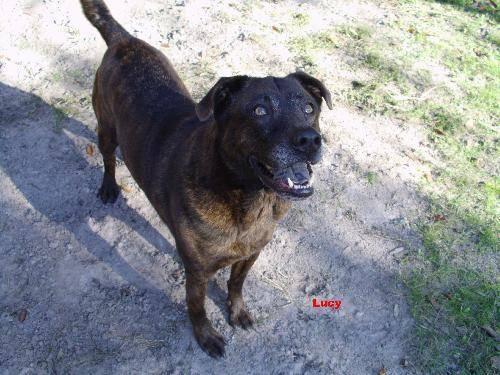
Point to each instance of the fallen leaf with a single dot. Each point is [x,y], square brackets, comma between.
[438,131]
[439,217]
[22,314]
[382,371]
[89,150]
[428,177]
[126,188]
[434,303]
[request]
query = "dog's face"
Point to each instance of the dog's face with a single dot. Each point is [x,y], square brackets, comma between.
[268,128]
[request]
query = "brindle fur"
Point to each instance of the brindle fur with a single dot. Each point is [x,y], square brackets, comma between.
[192,171]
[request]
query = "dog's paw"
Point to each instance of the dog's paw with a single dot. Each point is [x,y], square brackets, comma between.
[239,316]
[210,341]
[109,192]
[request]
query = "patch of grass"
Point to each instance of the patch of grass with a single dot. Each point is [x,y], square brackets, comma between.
[56,77]
[357,32]
[59,118]
[441,120]
[494,37]
[371,177]
[306,48]
[76,75]
[300,19]
[450,306]
[481,6]
[453,280]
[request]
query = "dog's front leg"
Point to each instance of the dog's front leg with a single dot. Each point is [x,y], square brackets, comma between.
[238,314]
[208,338]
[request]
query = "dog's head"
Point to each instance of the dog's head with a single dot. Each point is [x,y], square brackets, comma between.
[268,128]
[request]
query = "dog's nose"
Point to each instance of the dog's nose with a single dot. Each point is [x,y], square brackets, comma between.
[307,140]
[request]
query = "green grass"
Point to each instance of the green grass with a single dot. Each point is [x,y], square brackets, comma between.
[59,118]
[300,19]
[453,277]
[371,177]
[481,6]
[306,48]
[450,306]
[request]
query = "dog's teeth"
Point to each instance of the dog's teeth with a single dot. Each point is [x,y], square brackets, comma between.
[290,183]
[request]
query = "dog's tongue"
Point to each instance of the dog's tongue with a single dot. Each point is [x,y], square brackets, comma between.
[298,173]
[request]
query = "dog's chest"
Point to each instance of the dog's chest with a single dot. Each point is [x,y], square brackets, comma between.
[240,227]
[231,228]
[253,229]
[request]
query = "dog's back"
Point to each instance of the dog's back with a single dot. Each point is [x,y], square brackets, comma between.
[136,88]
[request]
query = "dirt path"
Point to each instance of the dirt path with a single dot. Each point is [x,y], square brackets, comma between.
[103,287]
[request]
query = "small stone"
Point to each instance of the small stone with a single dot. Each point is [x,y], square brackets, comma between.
[404,362]
[396,310]
[309,288]
[22,314]
[398,252]
[491,332]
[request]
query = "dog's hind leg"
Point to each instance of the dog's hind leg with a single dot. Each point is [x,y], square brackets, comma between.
[107,145]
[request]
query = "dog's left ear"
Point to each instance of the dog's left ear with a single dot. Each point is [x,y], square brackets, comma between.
[314,86]
[219,95]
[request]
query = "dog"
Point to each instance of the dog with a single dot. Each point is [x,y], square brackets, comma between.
[220,173]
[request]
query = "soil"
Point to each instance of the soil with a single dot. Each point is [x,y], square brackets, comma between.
[93,288]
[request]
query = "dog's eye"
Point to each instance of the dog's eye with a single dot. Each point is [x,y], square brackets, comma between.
[309,109]
[260,111]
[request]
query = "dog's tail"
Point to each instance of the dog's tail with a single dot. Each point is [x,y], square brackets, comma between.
[98,14]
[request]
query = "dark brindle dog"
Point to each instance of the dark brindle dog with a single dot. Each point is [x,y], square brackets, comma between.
[220,173]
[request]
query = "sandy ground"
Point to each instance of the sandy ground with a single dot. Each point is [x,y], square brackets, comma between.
[88,288]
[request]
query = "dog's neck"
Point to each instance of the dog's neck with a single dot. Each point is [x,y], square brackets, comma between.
[214,172]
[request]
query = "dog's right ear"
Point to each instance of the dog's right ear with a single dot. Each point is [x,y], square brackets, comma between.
[219,95]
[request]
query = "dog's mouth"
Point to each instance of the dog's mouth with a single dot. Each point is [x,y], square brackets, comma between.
[293,181]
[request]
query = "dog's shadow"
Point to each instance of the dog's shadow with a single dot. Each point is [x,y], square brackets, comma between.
[38,153]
